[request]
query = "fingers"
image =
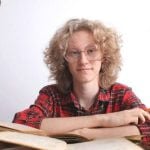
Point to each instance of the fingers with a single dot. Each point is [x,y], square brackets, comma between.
[145,116]
[147,109]
[141,114]
[141,118]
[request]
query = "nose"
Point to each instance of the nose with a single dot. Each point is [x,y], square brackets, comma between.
[83,57]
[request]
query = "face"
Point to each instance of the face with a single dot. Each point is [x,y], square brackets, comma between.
[81,45]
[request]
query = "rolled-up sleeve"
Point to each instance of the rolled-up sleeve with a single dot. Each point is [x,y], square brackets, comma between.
[145,131]
[33,116]
[131,101]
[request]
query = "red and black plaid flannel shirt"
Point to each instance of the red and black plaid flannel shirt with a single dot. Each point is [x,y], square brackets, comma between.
[52,103]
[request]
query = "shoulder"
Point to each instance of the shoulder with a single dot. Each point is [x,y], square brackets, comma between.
[120,87]
[50,90]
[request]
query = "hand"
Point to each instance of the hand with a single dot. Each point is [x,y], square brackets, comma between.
[125,117]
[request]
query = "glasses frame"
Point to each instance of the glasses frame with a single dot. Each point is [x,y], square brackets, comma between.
[78,55]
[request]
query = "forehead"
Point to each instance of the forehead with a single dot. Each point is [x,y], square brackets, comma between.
[81,37]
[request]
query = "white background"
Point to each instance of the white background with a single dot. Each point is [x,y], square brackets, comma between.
[26,27]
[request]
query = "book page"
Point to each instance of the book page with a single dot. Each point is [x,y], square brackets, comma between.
[68,138]
[105,144]
[32,141]
[19,127]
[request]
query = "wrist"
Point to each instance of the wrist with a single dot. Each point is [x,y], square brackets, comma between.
[101,120]
[86,132]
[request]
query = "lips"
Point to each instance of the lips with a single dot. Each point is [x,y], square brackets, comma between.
[82,69]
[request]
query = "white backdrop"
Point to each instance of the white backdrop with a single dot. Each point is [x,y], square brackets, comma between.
[26,26]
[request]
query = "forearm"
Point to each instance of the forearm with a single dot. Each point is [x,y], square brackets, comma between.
[66,124]
[94,133]
[116,119]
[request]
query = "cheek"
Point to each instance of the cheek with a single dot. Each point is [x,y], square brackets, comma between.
[71,68]
[97,66]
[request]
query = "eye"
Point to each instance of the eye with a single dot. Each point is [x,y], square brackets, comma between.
[91,51]
[73,53]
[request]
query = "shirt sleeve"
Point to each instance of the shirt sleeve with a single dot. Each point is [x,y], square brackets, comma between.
[33,116]
[130,100]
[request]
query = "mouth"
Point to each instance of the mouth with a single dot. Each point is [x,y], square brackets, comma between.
[84,69]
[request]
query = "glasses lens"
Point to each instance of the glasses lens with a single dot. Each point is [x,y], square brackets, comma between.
[92,53]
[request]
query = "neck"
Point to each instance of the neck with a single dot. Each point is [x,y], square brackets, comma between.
[86,93]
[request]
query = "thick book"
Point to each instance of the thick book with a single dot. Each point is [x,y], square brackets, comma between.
[21,137]
[18,134]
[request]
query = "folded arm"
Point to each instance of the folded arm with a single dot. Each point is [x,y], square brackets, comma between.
[116,132]
[110,120]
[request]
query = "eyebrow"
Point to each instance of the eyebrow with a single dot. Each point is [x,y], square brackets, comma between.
[89,45]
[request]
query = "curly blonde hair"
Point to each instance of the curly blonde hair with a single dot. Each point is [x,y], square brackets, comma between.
[106,38]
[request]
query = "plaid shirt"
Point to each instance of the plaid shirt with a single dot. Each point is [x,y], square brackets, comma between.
[52,103]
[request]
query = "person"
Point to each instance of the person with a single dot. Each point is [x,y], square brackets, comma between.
[84,58]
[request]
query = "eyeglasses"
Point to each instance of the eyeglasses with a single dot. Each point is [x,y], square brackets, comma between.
[92,54]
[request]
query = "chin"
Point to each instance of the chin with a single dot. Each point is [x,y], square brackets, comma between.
[84,80]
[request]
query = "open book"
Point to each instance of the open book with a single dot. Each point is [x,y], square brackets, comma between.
[12,134]
[21,137]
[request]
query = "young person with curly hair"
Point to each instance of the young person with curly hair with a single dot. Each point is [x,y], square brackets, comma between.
[84,59]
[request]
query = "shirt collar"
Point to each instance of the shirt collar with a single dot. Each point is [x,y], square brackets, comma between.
[74,99]
[103,95]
